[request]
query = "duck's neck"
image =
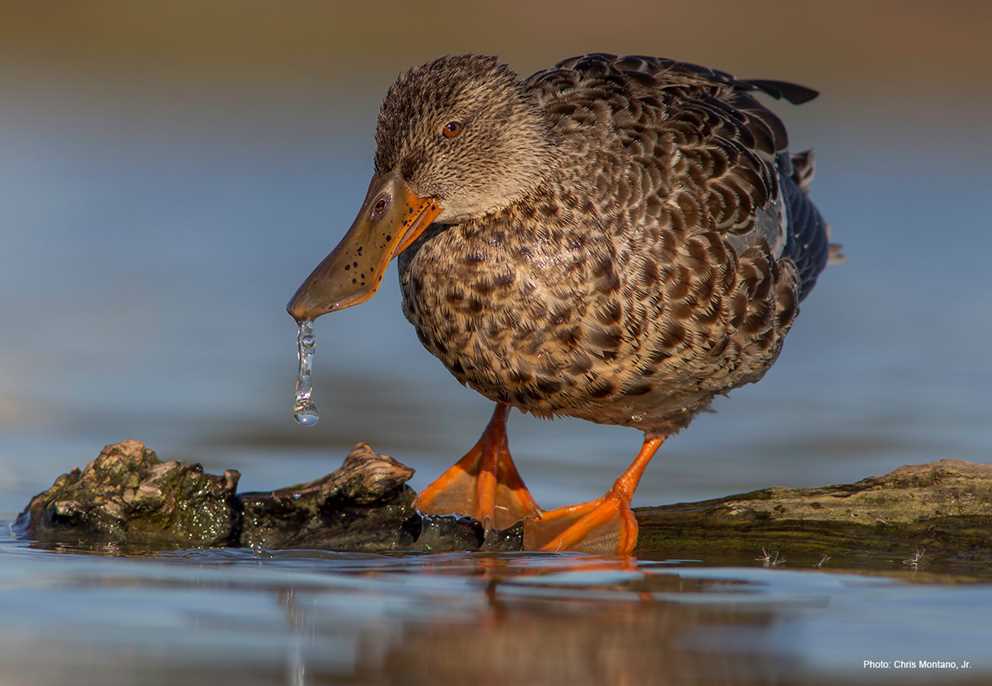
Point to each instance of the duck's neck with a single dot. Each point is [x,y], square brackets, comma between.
[529,158]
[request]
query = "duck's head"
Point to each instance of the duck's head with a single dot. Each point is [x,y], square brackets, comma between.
[457,138]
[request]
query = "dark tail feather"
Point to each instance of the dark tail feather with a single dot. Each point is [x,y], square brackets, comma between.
[791,92]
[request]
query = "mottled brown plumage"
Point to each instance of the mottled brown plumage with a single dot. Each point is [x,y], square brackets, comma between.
[616,238]
[623,237]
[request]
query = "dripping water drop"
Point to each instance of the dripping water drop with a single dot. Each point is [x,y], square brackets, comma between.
[304,409]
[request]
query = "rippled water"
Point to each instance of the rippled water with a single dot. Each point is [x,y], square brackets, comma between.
[309,617]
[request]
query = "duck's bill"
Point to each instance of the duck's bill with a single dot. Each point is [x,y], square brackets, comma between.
[392,217]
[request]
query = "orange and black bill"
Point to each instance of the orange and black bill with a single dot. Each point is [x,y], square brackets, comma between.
[391,218]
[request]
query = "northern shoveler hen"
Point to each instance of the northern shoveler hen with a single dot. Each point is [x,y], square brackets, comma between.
[614,238]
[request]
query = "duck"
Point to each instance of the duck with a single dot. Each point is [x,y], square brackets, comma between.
[615,238]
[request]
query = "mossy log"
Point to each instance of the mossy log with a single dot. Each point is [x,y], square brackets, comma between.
[128,497]
[917,514]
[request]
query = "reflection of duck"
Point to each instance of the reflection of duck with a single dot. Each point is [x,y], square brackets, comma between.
[615,238]
[575,622]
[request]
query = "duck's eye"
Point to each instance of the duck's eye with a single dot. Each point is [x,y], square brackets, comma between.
[452,129]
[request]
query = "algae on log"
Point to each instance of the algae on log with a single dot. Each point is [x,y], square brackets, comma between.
[943,508]
[127,496]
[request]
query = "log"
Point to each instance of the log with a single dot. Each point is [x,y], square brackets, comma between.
[130,499]
[935,513]
[128,496]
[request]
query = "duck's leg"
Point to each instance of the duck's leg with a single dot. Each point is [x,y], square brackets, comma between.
[484,483]
[605,525]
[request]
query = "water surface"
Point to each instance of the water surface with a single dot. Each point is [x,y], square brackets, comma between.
[311,617]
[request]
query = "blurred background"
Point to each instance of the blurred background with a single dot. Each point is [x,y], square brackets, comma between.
[171,171]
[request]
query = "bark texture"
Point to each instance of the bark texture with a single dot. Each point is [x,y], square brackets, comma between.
[940,511]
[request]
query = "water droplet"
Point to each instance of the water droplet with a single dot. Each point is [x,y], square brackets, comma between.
[306,415]
[304,408]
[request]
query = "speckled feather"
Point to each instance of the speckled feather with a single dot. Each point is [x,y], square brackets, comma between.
[656,261]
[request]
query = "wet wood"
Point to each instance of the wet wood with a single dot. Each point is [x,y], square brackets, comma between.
[363,505]
[936,512]
[127,495]
[917,515]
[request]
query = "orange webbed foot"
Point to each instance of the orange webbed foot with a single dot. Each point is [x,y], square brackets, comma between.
[483,484]
[606,525]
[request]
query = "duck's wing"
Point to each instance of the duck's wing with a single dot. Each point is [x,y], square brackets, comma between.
[710,155]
